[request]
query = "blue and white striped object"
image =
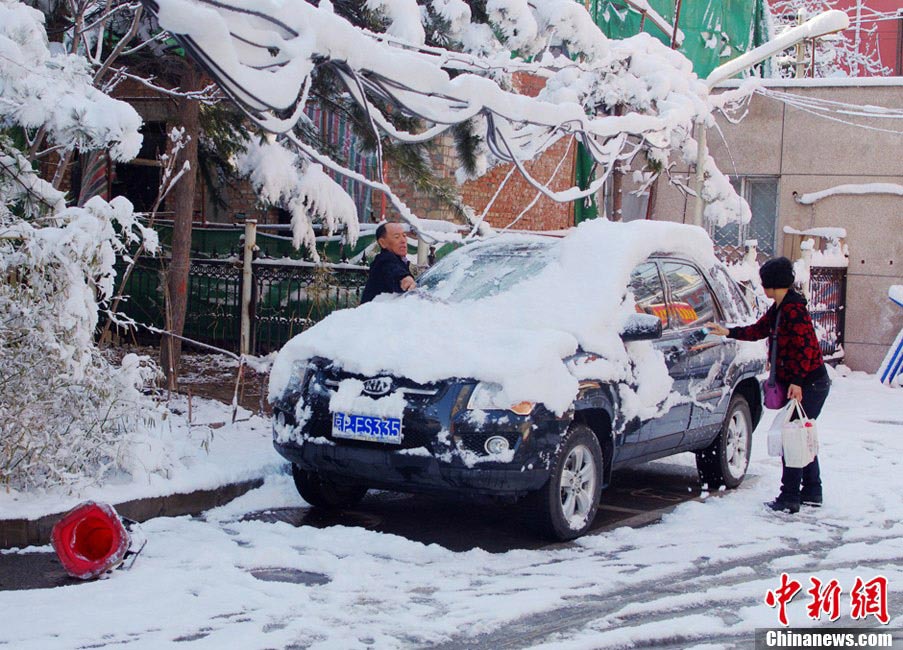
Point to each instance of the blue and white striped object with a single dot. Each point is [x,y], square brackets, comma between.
[892,367]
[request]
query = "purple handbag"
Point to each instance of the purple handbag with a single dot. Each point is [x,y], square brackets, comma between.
[775,392]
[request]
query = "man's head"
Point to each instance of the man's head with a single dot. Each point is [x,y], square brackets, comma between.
[390,236]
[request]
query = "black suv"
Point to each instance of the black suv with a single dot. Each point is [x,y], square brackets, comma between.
[452,438]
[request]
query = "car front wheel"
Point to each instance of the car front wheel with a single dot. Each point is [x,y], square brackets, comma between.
[323,493]
[564,508]
[724,462]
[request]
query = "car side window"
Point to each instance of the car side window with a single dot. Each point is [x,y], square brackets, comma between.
[692,303]
[736,305]
[648,291]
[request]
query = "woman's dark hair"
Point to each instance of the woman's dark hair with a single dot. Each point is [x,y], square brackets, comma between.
[777,273]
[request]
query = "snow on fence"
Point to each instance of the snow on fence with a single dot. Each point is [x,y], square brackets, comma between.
[827,298]
[821,265]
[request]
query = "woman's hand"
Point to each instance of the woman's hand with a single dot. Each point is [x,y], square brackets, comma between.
[795,392]
[718,330]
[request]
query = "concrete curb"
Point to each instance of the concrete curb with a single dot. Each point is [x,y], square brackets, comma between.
[19,533]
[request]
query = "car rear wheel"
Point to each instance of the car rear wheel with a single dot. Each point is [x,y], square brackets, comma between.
[564,508]
[724,462]
[323,493]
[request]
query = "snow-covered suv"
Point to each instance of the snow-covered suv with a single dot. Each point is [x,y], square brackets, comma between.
[526,367]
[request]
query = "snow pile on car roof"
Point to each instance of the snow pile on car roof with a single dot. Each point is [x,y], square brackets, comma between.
[521,337]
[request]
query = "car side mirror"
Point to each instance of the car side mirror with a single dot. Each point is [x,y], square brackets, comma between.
[641,327]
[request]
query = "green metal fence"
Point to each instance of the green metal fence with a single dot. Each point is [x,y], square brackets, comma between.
[289,298]
[286,298]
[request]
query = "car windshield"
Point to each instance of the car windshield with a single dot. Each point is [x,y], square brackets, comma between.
[483,270]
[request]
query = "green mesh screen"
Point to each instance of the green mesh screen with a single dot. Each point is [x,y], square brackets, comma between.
[715,31]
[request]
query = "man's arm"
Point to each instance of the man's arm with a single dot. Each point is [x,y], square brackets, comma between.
[399,276]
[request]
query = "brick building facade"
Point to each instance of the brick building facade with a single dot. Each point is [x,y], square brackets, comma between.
[518,206]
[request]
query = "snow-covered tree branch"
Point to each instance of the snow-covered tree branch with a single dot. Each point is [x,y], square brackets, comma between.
[66,412]
[618,97]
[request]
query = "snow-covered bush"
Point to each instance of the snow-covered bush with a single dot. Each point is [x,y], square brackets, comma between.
[66,413]
[64,409]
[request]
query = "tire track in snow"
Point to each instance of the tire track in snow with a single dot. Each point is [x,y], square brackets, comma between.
[576,619]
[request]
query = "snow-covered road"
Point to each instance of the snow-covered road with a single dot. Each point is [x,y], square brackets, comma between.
[697,579]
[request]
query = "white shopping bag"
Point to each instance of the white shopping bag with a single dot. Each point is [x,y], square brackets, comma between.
[799,438]
[775,436]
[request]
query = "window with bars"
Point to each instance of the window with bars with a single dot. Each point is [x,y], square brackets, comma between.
[761,192]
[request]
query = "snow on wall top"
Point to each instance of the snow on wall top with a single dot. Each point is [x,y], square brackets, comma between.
[827,232]
[851,189]
[517,338]
[819,82]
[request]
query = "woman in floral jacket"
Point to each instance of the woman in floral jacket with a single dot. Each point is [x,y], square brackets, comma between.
[798,365]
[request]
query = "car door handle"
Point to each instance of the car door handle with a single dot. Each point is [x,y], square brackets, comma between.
[674,353]
[705,345]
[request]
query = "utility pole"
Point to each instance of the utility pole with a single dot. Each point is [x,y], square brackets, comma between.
[825,23]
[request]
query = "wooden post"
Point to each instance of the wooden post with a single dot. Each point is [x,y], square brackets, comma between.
[800,65]
[617,199]
[676,21]
[702,155]
[247,278]
[423,251]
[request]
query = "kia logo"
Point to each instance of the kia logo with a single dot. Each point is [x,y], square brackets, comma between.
[378,385]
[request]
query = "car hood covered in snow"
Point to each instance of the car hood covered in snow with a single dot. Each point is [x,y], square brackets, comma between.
[518,338]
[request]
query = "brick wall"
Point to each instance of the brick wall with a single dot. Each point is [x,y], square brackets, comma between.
[516,195]
[512,207]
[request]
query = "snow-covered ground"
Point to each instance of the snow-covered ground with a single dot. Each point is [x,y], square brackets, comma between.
[697,579]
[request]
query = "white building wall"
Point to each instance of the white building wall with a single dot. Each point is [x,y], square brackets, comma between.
[810,152]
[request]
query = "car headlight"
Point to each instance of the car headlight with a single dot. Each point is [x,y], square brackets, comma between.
[302,371]
[487,396]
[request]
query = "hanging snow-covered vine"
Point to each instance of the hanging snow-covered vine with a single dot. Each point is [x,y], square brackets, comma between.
[617,98]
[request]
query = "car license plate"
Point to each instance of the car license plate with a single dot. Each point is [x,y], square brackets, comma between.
[366,427]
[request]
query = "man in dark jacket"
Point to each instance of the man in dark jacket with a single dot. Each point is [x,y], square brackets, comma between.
[798,365]
[390,272]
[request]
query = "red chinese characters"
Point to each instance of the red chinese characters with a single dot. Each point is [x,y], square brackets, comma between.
[866,599]
[824,601]
[783,595]
[870,599]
